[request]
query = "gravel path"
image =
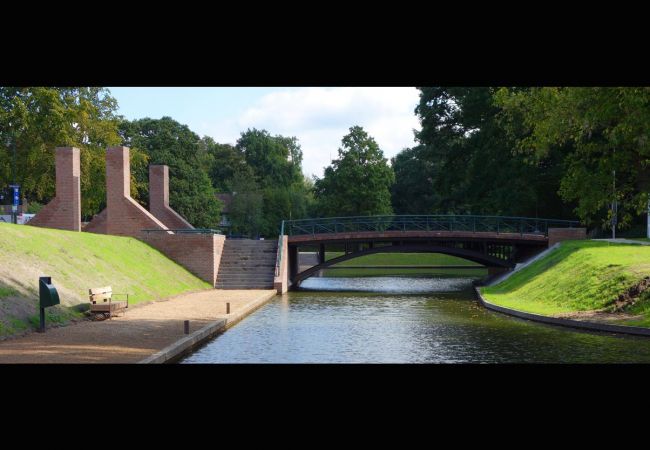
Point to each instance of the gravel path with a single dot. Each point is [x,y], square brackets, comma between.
[134,335]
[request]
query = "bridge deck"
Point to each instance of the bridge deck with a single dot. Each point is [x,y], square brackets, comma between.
[396,235]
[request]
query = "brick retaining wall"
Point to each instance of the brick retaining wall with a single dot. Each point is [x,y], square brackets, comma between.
[556,235]
[198,253]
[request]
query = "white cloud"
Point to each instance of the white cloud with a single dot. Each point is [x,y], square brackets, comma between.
[320,117]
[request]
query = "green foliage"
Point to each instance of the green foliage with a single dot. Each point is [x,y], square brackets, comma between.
[34,208]
[37,120]
[246,206]
[275,160]
[225,162]
[6,291]
[468,163]
[274,163]
[413,191]
[598,130]
[358,182]
[165,141]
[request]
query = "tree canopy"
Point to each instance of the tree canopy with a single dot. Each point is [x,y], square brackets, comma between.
[602,134]
[358,182]
[39,119]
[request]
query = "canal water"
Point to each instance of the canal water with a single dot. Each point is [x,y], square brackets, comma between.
[404,320]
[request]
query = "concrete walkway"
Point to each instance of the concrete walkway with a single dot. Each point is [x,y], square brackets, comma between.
[623,241]
[140,332]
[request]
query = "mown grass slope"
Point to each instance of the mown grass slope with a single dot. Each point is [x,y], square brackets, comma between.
[77,262]
[578,276]
[405,259]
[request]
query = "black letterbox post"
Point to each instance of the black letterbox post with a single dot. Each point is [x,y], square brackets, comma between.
[48,297]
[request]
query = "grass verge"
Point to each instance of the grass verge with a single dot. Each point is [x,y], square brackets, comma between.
[77,262]
[578,276]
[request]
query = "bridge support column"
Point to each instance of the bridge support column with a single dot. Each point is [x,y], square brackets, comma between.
[293,261]
[496,270]
[321,253]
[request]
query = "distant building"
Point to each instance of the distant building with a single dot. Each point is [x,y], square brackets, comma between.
[225,223]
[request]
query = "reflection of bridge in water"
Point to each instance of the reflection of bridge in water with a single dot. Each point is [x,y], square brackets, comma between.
[497,243]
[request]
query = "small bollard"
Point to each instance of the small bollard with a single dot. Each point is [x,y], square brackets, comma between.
[186,327]
[227,308]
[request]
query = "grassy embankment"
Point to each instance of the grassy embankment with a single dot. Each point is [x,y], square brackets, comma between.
[77,262]
[404,259]
[579,276]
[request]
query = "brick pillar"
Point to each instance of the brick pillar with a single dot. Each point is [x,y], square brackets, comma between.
[556,235]
[124,216]
[118,175]
[68,187]
[158,186]
[64,211]
[159,199]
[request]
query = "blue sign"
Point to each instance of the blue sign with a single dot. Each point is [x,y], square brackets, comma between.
[16,195]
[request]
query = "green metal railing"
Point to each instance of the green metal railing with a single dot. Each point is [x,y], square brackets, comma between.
[450,222]
[185,231]
[494,224]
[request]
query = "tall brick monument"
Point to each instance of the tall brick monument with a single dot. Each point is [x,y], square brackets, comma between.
[199,252]
[159,199]
[123,216]
[64,211]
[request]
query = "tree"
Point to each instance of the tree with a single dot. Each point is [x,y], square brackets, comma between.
[165,141]
[37,120]
[358,182]
[224,162]
[599,131]
[275,160]
[413,192]
[472,161]
[246,206]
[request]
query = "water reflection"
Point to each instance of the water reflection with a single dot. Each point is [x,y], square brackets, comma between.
[411,320]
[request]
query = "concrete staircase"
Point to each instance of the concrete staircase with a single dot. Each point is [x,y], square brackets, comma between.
[247,264]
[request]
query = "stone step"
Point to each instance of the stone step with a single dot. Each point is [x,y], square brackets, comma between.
[248,256]
[247,263]
[246,272]
[246,286]
[231,245]
[253,278]
[248,260]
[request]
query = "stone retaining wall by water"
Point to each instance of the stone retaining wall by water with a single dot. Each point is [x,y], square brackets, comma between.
[640,331]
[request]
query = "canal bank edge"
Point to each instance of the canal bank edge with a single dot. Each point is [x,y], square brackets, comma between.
[175,351]
[638,331]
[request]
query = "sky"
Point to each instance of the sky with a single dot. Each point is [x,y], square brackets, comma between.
[318,116]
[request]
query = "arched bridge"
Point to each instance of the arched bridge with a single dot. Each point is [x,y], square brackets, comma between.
[493,241]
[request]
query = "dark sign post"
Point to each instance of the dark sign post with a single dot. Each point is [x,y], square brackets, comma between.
[48,297]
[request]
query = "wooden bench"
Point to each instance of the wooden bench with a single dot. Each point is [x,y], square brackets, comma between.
[101,302]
